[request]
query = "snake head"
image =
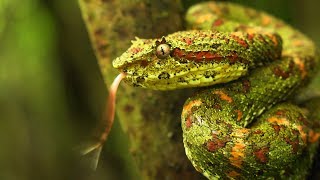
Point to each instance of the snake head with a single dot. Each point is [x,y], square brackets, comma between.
[187,59]
[148,62]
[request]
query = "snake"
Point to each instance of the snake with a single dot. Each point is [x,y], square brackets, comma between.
[249,66]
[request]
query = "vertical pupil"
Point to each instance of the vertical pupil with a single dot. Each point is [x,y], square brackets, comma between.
[162,51]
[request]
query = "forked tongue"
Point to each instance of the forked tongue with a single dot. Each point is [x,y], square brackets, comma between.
[93,150]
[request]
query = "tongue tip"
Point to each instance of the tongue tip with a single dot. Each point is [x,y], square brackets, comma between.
[92,151]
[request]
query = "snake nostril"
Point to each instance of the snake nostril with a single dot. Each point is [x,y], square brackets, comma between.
[164,75]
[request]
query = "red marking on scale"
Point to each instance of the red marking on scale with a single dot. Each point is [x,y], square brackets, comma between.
[242,42]
[237,154]
[200,55]
[215,144]
[239,114]
[233,58]
[246,86]
[273,39]
[280,113]
[223,96]
[257,132]
[313,136]
[178,53]
[187,111]
[135,50]
[189,41]
[213,56]
[250,36]
[233,174]
[278,120]
[304,120]
[294,144]
[217,106]
[190,56]
[278,71]
[196,56]
[204,55]
[217,22]
[276,128]
[189,122]
[261,154]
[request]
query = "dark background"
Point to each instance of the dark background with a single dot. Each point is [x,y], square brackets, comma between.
[52,93]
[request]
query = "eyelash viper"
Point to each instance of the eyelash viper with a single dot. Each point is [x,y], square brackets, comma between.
[239,127]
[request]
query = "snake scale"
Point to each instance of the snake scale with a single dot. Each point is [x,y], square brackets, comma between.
[242,124]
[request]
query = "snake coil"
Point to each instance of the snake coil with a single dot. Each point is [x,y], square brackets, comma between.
[242,126]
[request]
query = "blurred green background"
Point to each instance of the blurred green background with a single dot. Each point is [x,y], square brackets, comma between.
[52,93]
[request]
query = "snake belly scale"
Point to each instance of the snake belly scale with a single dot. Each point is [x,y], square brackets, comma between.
[242,125]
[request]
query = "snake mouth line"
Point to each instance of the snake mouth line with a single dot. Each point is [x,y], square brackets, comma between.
[192,78]
[205,70]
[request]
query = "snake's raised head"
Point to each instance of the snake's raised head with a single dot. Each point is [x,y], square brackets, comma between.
[190,59]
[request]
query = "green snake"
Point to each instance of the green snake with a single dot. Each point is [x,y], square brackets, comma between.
[242,124]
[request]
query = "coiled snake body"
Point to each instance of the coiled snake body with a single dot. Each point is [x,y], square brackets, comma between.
[239,127]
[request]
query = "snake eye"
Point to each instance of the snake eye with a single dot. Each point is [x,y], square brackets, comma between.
[163,51]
